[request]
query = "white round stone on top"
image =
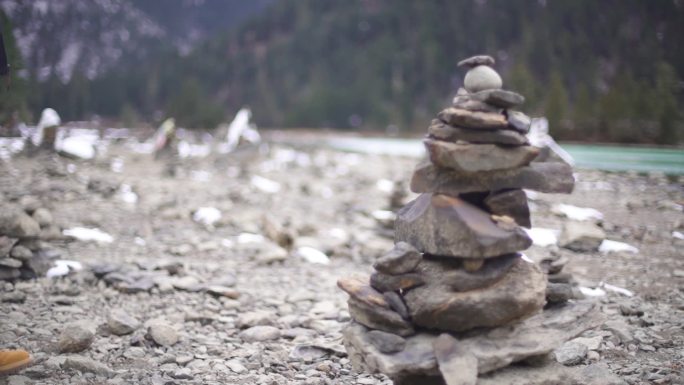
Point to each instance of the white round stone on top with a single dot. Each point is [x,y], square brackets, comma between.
[482,78]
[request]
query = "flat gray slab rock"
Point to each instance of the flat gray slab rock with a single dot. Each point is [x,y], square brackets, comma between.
[544,177]
[473,119]
[520,293]
[477,60]
[499,98]
[447,226]
[442,131]
[470,158]
[495,349]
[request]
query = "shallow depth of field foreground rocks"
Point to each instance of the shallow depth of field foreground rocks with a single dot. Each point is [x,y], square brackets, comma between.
[222,269]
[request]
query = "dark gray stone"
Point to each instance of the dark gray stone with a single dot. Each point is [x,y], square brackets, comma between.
[442,131]
[473,119]
[561,292]
[386,342]
[544,177]
[519,294]
[465,103]
[477,60]
[396,303]
[511,203]
[7,273]
[403,258]
[469,158]
[447,226]
[380,318]
[369,307]
[519,121]
[499,98]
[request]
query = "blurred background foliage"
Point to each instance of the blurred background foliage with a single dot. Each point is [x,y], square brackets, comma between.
[608,71]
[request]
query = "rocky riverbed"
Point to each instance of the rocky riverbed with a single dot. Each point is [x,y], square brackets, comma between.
[223,269]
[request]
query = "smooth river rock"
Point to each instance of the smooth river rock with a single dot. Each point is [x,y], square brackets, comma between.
[553,177]
[442,131]
[482,78]
[470,158]
[518,294]
[443,225]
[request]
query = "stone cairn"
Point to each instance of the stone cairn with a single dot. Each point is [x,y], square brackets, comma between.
[455,302]
[24,252]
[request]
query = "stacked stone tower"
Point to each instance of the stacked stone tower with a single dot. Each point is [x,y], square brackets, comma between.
[455,299]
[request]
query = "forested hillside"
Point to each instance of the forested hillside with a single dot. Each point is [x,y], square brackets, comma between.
[600,70]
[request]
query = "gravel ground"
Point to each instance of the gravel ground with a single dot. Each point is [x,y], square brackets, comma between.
[221,303]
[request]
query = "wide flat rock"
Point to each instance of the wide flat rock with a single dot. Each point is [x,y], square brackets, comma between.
[443,225]
[473,119]
[520,293]
[478,157]
[553,177]
[499,98]
[494,349]
[442,131]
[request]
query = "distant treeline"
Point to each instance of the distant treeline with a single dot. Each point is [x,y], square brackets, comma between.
[607,70]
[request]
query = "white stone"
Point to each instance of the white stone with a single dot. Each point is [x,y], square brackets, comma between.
[482,78]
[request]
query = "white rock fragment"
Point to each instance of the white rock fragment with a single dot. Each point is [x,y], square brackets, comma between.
[677,235]
[266,185]
[577,213]
[543,237]
[76,146]
[589,292]
[206,215]
[608,246]
[63,267]
[312,255]
[127,195]
[247,238]
[616,289]
[385,185]
[85,234]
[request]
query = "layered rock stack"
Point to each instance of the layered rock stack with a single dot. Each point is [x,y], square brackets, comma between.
[24,254]
[455,302]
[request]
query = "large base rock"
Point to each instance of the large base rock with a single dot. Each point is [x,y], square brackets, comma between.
[496,349]
[518,294]
[544,177]
[448,226]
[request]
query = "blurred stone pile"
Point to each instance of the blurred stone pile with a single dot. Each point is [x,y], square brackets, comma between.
[455,302]
[24,229]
